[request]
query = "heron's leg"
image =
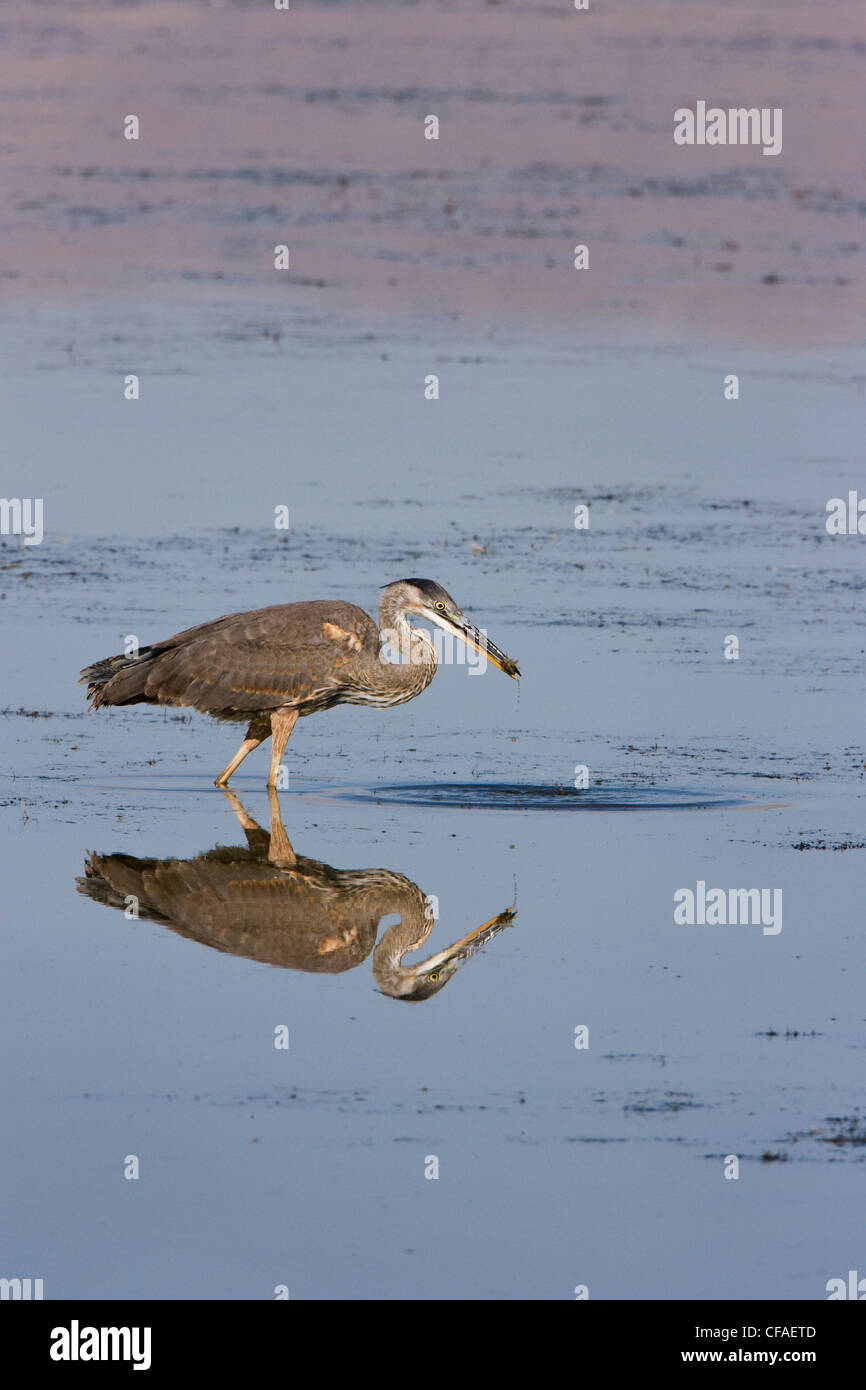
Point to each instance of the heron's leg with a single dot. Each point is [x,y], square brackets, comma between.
[256,734]
[258,840]
[280,851]
[282,723]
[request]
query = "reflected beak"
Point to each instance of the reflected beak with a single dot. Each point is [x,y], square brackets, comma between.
[468,633]
[461,950]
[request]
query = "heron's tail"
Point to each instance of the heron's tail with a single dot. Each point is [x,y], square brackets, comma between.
[115,879]
[117,680]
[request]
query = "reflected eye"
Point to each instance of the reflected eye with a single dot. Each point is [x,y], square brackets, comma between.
[434,977]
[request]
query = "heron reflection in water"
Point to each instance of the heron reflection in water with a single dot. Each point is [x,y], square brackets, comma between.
[268,904]
[272,666]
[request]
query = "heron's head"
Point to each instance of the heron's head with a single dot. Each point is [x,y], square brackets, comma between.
[420,981]
[427,599]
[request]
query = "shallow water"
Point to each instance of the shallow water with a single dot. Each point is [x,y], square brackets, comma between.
[155,1036]
[468,796]
[306,1167]
[555,128]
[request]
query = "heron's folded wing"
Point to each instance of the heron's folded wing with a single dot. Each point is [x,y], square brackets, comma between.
[261,660]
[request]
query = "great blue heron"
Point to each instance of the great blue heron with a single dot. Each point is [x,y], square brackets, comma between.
[273,665]
[267,904]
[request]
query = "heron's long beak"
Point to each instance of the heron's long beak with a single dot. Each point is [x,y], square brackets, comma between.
[469,633]
[461,950]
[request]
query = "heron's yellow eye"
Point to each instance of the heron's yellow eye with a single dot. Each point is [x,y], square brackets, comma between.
[435,975]
[441,605]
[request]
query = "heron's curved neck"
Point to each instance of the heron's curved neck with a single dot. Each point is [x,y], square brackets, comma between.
[409,934]
[413,646]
